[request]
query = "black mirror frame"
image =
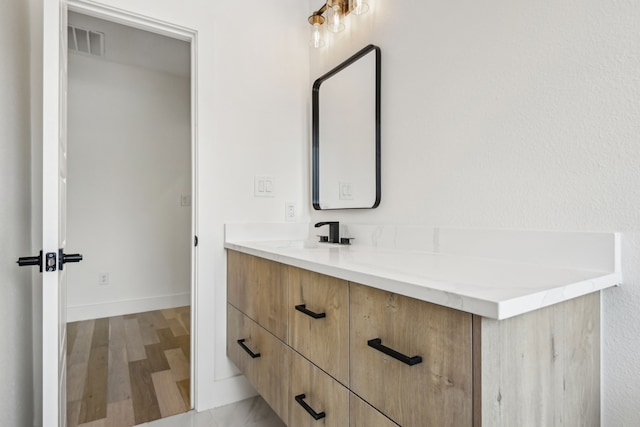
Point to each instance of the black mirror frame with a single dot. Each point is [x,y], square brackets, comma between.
[315,129]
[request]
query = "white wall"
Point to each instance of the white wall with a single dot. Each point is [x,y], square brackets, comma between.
[16,398]
[252,120]
[129,163]
[520,114]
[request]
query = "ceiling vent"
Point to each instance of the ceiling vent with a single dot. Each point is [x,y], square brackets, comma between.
[85,41]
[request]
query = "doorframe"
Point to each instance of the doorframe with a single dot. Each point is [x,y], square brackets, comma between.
[146,23]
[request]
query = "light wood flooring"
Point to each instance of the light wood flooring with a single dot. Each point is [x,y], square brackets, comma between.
[128,370]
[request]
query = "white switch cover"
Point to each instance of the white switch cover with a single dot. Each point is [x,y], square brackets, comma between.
[264,186]
[290,211]
[185,200]
[346,191]
[103,279]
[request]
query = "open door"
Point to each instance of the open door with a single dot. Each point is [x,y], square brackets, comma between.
[52,258]
[54,169]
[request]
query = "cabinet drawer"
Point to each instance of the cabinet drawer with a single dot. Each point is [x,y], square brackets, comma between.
[323,396]
[264,359]
[434,392]
[320,329]
[257,287]
[361,414]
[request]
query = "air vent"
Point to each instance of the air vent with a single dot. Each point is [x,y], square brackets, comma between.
[85,41]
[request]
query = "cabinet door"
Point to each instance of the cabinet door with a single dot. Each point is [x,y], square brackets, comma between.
[261,357]
[361,414]
[437,391]
[315,398]
[257,287]
[320,329]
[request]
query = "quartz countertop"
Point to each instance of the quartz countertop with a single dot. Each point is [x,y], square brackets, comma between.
[488,286]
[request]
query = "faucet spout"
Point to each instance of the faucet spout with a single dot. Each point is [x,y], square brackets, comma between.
[334,230]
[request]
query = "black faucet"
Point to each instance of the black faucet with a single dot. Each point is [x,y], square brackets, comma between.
[334,230]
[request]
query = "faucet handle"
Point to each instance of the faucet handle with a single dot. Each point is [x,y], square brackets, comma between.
[334,230]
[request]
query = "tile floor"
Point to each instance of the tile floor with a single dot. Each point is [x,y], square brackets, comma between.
[252,412]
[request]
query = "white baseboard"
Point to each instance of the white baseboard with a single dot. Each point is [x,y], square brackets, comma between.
[225,392]
[118,308]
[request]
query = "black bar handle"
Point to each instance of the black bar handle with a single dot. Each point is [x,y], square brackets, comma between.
[71,258]
[65,258]
[377,344]
[247,349]
[316,416]
[303,309]
[32,260]
[28,260]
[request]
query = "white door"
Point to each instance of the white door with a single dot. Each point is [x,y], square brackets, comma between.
[54,167]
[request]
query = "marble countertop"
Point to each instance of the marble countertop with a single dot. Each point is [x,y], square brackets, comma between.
[492,287]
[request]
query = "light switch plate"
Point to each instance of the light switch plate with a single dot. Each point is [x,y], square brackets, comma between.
[264,186]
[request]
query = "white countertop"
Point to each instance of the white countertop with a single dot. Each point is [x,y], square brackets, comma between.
[491,287]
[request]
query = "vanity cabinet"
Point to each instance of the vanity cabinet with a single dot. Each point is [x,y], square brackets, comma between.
[257,287]
[368,357]
[262,358]
[361,414]
[319,320]
[315,397]
[411,359]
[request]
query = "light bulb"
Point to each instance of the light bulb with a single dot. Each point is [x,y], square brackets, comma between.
[316,36]
[335,22]
[361,7]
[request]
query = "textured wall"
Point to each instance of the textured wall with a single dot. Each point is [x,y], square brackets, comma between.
[16,399]
[514,114]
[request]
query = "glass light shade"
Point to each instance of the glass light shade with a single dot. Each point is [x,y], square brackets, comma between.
[360,7]
[335,24]
[316,36]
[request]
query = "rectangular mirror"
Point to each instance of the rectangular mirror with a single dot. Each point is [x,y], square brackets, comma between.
[346,134]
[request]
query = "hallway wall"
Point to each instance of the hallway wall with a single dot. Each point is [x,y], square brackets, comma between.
[252,120]
[16,398]
[129,164]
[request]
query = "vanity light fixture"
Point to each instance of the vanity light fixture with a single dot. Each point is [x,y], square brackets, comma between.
[336,11]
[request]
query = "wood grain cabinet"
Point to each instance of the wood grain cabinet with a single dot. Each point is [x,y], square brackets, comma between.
[319,320]
[361,414]
[411,359]
[370,358]
[258,288]
[262,358]
[315,398]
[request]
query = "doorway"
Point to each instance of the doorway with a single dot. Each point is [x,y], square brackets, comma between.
[131,207]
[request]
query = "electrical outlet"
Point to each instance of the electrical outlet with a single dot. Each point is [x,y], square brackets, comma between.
[290,211]
[103,279]
[185,200]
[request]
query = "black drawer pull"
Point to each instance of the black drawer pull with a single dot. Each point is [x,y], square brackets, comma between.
[247,349]
[316,416]
[377,344]
[303,309]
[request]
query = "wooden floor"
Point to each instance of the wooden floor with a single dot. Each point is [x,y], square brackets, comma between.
[128,370]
